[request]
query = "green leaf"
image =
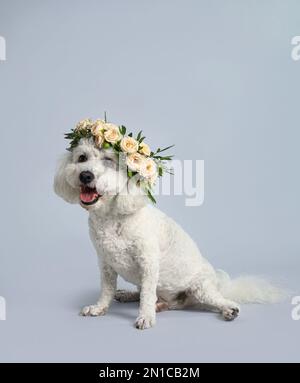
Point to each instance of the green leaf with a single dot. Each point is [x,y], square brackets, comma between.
[130,135]
[117,147]
[169,171]
[160,171]
[166,158]
[122,130]
[150,196]
[162,150]
[139,135]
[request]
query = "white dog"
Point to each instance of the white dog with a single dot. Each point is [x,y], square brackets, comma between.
[144,246]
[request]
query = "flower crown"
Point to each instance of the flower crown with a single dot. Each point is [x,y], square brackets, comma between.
[140,161]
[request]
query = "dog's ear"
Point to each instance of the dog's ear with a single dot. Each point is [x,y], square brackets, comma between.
[61,187]
[131,198]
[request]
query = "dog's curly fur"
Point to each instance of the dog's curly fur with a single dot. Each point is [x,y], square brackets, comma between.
[147,248]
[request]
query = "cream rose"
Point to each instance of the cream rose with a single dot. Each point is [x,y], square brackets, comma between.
[99,140]
[112,134]
[148,168]
[129,145]
[84,124]
[97,127]
[108,125]
[134,161]
[144,149]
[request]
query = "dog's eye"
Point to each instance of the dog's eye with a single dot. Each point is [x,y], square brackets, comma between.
[109,162]
[82,158]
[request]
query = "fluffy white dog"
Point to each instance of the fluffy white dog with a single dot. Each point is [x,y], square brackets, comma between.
[144,246]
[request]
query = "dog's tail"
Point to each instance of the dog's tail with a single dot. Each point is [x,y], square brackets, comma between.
[248,289]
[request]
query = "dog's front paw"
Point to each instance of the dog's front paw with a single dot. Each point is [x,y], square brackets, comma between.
[93,310]
[145,321]
[230,313]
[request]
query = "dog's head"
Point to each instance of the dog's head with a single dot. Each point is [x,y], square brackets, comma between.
[96,179]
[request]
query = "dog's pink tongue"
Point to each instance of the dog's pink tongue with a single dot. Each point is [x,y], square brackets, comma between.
[88,196]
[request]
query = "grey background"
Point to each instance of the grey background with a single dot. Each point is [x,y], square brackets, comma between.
[214,77]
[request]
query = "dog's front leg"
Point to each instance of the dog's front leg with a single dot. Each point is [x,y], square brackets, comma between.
[148,298]
[108,289]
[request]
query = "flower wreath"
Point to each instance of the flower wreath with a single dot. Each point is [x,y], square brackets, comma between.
[140,161]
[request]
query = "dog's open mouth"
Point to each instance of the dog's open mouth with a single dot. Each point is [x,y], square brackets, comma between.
[88,196]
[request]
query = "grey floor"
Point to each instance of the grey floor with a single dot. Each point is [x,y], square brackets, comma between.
[43,326]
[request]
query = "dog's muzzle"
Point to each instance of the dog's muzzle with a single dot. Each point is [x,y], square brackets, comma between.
[86,177]
[88,195]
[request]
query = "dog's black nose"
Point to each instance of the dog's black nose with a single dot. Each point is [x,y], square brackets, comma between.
[86,177]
